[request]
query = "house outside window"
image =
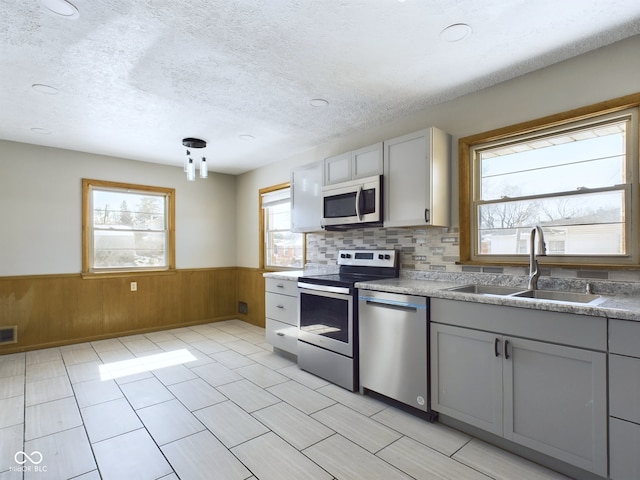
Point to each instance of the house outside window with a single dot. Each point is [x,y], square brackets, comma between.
[127,227]
[282,248]
[577,179]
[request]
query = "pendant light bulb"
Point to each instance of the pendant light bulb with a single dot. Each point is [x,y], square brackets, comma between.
[191,171]
[186,161]
[204,170]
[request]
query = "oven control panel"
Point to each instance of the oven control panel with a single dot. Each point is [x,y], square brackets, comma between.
[367,258]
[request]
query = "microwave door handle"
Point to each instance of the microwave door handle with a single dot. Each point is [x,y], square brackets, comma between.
[358,203]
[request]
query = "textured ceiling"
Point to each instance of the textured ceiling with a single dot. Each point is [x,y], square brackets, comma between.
[134,77]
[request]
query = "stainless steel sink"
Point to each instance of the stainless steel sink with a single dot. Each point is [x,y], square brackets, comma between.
[565,297]
[515,292]
[485,289]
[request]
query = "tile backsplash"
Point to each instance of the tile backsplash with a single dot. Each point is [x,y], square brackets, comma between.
[430,250]
[434,249]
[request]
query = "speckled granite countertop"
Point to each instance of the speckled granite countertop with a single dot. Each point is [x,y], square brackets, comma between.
[620,300]
[626,307]
[284,275]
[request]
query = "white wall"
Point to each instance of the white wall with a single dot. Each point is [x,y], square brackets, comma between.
[41,209]
[596,76]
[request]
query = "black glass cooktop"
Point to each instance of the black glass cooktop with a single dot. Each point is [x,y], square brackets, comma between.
[348,277]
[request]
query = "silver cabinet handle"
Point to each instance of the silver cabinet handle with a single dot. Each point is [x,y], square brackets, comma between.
[280,334]
[279,306]
[280,285]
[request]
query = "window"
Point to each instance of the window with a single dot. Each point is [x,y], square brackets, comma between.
[282,248]
[127,227]
[577,178]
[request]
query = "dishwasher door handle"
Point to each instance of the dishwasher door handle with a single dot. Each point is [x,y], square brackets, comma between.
[407,307]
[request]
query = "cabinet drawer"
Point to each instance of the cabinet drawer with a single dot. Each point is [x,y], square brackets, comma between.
[283,308]
[285,287]
[624,337]
[282,335]
[624,445]
[624,387]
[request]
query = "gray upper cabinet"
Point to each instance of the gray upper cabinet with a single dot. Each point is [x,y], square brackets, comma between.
[417,179]
[306,199]
[361,163]
[546,396]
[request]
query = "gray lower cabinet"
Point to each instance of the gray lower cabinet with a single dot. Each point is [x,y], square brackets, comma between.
[624,399]
[281,308]
[548,397]
[466,376]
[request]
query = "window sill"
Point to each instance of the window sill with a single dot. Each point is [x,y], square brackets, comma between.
[130,273]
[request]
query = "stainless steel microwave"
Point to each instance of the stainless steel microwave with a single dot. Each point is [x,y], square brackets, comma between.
[353,204]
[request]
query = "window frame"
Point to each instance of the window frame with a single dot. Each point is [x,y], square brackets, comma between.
[468,183]
[262,225]
[88,185]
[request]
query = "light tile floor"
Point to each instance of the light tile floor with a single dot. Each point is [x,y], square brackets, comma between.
[236,410]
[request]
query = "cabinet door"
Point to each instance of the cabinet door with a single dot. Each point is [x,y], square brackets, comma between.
[337,168]
[623,449]
[367,161]
[406,180]
[466,376]
[306,199]
[416,179]
[555,401]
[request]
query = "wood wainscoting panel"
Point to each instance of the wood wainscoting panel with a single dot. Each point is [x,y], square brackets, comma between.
[251,292]
[51,310]
[195,287]
[223,286]
[156,302]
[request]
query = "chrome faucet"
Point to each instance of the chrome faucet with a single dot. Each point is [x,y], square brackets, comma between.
[534,269]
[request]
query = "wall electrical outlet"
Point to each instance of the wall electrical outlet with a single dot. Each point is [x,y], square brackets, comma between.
[134,286]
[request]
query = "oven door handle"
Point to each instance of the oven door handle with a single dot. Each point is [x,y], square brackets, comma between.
[324,288]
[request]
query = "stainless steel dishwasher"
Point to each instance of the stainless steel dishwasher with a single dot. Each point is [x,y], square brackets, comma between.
[393,347]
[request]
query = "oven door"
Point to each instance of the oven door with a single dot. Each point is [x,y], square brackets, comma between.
[354,202]
[326,318]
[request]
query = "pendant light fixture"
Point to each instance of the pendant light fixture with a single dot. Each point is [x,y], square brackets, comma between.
[189,165]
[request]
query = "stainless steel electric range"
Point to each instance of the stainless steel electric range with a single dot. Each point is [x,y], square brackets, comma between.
[328,314]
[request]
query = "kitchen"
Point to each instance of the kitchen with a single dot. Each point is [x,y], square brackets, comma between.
[229,235]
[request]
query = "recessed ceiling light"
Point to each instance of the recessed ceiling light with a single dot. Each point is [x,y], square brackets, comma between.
[46,89]
[42,131]
[61,8]
[319,102]
[455,33]
[246,137]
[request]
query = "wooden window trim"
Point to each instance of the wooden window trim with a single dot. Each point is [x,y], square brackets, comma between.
[465,171]
[86,233]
